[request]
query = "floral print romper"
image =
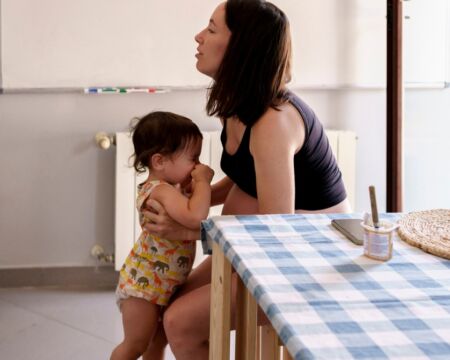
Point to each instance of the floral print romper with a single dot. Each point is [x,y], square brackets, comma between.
[155,266]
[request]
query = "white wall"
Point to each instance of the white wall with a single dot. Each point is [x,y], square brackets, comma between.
[426,150]
[56,187]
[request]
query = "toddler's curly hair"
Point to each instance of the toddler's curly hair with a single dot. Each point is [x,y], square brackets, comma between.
[161,132]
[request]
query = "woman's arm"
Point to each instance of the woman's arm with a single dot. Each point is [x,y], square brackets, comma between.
[220,190]
[275,139]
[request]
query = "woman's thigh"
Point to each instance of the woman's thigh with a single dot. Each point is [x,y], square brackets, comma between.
[187,316]
[191,307]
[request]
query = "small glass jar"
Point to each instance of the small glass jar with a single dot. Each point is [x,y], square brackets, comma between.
[378,241]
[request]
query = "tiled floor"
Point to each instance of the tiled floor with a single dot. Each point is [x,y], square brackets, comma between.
[55,323]
[61,324]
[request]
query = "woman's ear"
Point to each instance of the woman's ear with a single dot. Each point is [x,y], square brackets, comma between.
[157,161]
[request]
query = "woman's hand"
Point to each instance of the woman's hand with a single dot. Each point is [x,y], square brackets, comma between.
[158,222]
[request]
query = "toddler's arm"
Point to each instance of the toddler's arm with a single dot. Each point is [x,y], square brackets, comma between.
[188,211]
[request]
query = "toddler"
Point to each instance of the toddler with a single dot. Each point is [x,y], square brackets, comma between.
[168,145]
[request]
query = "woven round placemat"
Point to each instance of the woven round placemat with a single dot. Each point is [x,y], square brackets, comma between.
[428,230]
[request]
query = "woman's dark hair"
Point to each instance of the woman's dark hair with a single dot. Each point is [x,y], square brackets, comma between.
[164,133]
[256,64]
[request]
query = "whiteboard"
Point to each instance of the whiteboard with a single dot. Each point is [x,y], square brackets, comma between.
[80,43]
[337,42]
[426,41]
[67,43]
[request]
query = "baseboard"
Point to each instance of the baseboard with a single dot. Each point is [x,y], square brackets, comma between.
[100,276]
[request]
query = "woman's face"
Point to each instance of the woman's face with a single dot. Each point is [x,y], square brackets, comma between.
[212,43]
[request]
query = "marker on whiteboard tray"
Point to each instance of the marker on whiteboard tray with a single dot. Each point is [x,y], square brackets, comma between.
[137,90]
[110,90]
[90,90]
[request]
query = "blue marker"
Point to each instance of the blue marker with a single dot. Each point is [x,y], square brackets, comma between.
[90,90]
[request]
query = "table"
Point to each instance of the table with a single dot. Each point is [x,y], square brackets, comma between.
[323,297]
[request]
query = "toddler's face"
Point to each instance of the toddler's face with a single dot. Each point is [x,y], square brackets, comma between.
[180,166]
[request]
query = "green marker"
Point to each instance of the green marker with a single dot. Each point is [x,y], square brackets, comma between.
[109,90]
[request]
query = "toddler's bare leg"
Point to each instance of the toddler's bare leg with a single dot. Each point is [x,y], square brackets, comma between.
[155,350]
[140,321]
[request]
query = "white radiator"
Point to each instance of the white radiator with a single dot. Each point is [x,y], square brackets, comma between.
[127,229]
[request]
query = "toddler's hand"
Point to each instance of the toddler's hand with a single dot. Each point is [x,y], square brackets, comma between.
[202,172]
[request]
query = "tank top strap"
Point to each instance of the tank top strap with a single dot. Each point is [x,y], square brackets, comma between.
[223,134]
[246,136]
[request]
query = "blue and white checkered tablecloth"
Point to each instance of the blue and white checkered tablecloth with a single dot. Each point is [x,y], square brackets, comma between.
[326,300]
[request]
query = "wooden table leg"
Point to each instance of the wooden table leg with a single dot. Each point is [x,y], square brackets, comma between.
[246,329]
[258,343]
[219,331]
[286,355]
[270,348]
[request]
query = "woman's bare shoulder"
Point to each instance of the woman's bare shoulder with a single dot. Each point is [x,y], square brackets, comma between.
[280,125]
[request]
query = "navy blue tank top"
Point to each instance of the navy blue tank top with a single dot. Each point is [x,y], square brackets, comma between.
[318,180]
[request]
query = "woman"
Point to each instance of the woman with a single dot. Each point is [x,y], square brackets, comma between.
[276,155]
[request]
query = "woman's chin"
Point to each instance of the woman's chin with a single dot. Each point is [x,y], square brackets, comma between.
[203,70]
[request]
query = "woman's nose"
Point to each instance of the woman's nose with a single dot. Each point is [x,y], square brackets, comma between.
[198,38]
